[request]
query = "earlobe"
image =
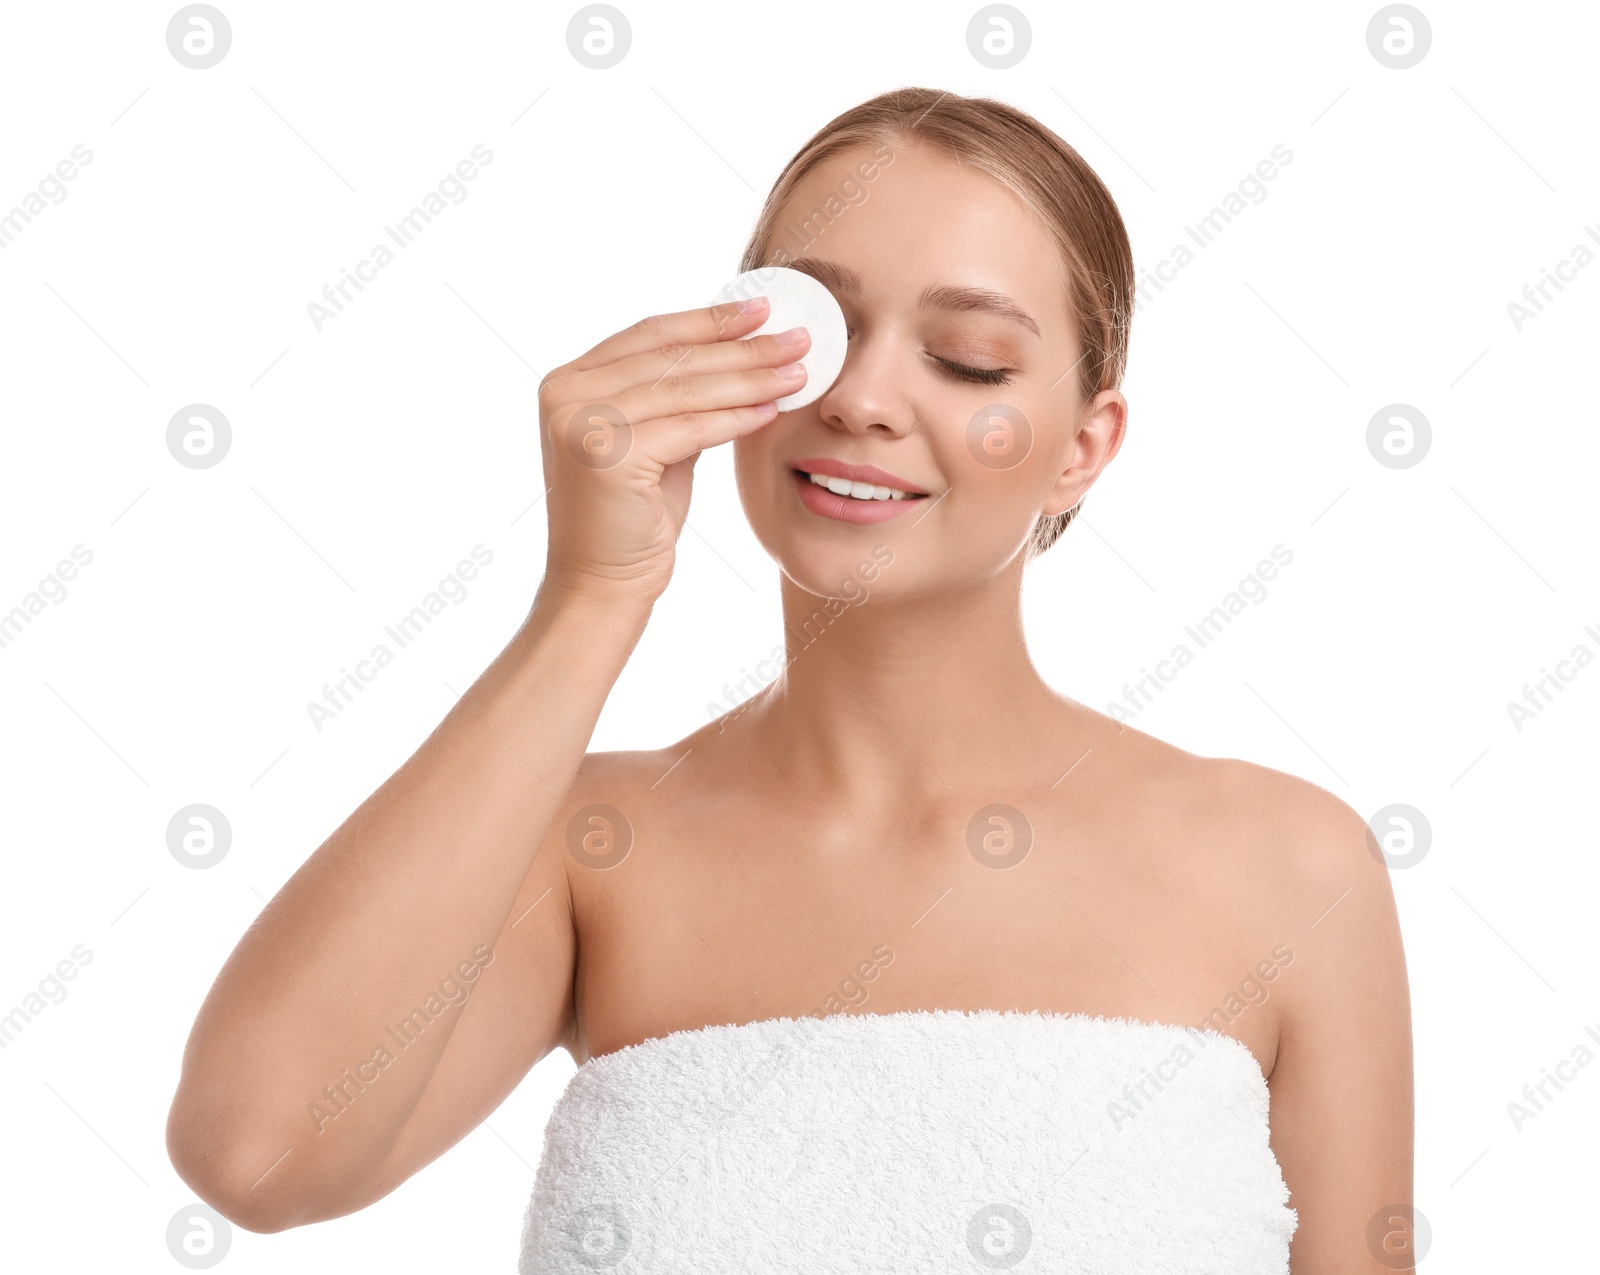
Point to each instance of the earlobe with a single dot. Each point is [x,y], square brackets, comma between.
[1068,489]
[1102,431]
[1059,501]
[1099,435]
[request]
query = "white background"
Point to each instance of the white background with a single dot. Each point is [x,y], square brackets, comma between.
[368,458]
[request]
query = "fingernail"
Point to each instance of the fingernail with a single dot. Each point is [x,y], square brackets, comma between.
[754,303]
[792,337]
[792,371]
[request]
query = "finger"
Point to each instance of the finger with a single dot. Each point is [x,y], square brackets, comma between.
[649,368]
[684,327]
[674,438]
[708,392]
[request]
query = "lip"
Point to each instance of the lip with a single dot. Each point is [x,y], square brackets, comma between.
[824,503]
[830,468]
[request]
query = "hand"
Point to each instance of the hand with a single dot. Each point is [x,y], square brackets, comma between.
[622,426]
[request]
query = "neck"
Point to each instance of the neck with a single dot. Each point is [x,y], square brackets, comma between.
[886,700]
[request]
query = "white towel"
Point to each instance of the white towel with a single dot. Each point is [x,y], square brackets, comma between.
[917,1141]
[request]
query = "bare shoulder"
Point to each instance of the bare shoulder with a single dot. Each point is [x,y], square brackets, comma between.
[620,771]
[1312,844]
[1294,862]
[1299,843]
[607,795]
[1315,879]
[1341,1080]
[1327,878]
[1276,864]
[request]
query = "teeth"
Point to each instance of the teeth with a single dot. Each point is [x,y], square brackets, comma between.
[858,491]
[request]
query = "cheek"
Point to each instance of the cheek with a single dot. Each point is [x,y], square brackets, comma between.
[759,479]
[1007,451]
[999,437]
[749,456]
[1003,461]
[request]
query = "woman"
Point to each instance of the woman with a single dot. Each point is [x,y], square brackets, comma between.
[908,961]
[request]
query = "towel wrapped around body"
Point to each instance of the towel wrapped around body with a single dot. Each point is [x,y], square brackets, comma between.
[920,1141]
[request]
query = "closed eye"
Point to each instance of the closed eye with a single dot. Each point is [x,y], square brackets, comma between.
[982,375]
[989,376]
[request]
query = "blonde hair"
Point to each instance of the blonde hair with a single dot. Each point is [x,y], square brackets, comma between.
[1042,170]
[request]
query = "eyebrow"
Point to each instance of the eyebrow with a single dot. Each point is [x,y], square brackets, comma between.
[934,297]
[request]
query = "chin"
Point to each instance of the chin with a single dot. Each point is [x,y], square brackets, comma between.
[833,568]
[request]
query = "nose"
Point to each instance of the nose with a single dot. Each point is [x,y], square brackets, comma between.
[869,394]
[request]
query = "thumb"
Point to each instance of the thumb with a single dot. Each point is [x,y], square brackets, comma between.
[677,483]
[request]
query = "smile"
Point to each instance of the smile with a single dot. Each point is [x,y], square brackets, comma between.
[845,500]
[859,491]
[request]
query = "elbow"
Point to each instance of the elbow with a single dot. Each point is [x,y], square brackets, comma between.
[227,1174]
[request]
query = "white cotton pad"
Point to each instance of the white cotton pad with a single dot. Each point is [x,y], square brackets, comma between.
[797,301]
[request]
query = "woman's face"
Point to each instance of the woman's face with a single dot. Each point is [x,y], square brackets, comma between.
[961,379]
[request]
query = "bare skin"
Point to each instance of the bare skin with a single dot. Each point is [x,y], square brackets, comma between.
[774,856]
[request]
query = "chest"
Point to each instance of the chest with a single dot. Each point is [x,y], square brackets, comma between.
[742,920]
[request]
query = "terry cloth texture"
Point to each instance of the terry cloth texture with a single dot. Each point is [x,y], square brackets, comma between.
[921,1141]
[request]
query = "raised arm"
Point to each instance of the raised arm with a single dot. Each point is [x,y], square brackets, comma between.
[422,959]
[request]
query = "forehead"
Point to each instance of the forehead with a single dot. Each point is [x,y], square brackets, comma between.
[925,218]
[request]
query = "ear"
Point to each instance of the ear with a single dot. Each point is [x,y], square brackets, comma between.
[1097,439]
